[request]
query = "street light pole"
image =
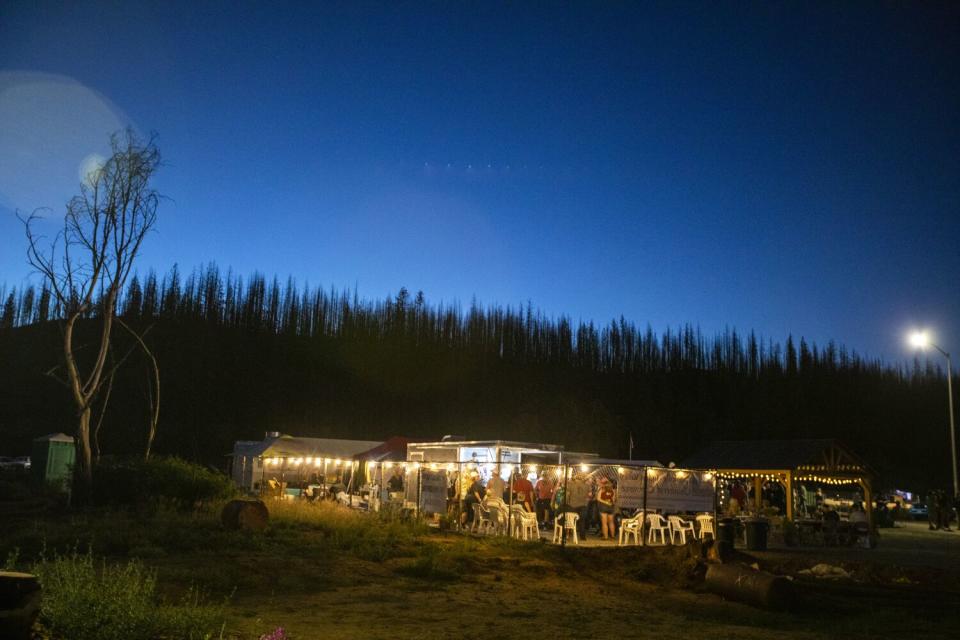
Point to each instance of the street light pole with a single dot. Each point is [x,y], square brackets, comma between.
[920,340]
[953,430]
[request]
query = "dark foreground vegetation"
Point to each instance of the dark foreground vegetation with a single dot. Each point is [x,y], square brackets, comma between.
[242,356]
[156,569]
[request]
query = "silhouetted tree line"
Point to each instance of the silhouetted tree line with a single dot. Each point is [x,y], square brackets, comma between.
[242,356]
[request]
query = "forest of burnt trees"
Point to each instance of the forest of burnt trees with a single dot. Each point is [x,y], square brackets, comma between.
[242,356]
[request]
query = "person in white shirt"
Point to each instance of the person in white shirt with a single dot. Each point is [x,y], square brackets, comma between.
[496,486]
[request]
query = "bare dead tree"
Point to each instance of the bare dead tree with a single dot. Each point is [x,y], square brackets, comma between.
[86,266]
[153,388]
[103,412]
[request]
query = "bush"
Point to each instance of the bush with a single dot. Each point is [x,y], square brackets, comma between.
[116,602]
[171,480]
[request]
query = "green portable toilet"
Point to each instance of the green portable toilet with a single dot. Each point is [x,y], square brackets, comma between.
[52,458]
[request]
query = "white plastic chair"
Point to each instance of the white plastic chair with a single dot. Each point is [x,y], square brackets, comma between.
[632,526]
[492,521]
[500,517]
[477,522]
[525,524]
[680,527]
[658,525]
[568,522]
[487,521]
[706,526]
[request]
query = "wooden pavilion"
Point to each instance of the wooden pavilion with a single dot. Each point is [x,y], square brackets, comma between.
[823,461]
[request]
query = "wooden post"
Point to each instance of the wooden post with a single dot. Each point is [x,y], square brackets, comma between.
[757,493]
[419,488]
[263,475]
[867,502]
[510,508]
[460,493]
[788,487]
[643,538]
[563,510]
[716,504]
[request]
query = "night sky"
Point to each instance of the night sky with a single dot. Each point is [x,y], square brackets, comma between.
[769,166]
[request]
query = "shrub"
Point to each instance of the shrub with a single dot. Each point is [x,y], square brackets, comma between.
[171,480]
[116,602]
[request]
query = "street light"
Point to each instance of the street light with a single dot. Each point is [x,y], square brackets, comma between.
[920,340]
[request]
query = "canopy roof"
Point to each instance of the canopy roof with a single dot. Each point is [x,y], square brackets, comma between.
[523,447]
[292,447]
[820,455]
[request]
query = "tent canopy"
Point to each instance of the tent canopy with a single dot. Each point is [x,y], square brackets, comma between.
[293,447]
[394,449]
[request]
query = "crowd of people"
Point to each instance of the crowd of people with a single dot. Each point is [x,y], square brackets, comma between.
[592,497]
[741,497]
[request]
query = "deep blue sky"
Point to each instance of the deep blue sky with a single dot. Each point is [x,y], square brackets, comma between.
[786,168]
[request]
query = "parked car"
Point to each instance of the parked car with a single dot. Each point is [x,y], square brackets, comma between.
[918,512]
[21,463]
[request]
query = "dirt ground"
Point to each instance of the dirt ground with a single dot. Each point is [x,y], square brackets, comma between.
[907,587]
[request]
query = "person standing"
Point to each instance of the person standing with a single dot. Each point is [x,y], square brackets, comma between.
[606,497]
[593,513]
[543,490]
[395,483]
[496,487]
[737,493]
[577,494]
[933,510]
[946,511]
[522,491]
[474,496]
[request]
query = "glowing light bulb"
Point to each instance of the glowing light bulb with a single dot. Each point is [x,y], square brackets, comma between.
[919,339]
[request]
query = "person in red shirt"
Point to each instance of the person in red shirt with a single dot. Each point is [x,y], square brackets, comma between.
[522,491]
[544,492]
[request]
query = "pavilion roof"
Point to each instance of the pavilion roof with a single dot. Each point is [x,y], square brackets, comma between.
[821,455]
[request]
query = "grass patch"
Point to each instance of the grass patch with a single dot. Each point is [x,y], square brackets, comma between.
[364,536]
[325,568]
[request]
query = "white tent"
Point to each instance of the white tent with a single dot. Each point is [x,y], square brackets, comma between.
[253,460]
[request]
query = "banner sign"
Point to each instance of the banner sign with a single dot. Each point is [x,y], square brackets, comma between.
[433,491]
[630,489]
[672,491]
